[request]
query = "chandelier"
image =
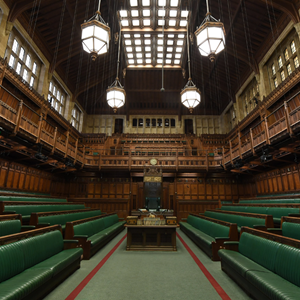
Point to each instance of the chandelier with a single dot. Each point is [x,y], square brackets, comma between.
[210,36]
[115,96]
[95,35]
[190,95]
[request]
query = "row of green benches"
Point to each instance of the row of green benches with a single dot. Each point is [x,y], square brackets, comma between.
[35,261]
[31,199]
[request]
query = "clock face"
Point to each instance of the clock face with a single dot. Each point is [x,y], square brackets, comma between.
[153,161]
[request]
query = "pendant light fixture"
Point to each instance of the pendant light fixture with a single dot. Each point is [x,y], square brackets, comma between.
[95,35]
[190,95]
[115,94]
[210,36]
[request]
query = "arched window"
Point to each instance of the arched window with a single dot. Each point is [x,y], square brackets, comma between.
[286,54]
[293,47]
[273,69]
[280,64]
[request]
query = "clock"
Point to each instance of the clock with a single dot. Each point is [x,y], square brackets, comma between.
[153,161]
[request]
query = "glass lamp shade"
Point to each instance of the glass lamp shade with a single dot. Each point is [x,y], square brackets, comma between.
[115,97]
[190,97]
[210,39]
[95,37]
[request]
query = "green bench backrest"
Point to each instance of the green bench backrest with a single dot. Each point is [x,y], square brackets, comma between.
[28,209]
[30,199]
[10,227]
[278,212]
[258,249]
[239,220]
[281,259]
[210,228]
[63,219]
[287,264]
[95,226]
[21,255]
[265,201]
[291,230]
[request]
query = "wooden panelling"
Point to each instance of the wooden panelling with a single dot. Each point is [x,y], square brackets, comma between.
[279,181]
[16,176]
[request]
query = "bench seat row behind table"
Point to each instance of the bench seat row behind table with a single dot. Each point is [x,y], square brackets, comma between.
[264,264]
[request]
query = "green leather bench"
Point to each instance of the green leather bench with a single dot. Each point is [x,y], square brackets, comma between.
[31,267]
[265,201]
[61,217]
[277,211]
[209,234]
[26,208]
[290,227]
[93,233]
[30,199]
[11,224]
[242,219]
[264,264]
[23,192]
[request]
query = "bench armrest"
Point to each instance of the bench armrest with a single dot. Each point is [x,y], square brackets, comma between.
[9,212]
[80,237]
[70,244]
[27,227]
[275,230]
[294,215]
[231,245]
[222,239]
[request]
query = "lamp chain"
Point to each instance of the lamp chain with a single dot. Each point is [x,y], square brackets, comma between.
[99,5]
[207,6]
[188,47]
[119,47]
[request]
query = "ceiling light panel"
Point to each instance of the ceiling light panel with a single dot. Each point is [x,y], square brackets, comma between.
[146,22]
[161,2]
[134,13]
[133,2]
[136,22]
[146,12]
[123,13]
[173,3]
[146,2]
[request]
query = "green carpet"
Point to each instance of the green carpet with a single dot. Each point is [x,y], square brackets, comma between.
[148,275]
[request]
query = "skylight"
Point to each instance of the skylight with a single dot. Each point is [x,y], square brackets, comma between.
[133,2]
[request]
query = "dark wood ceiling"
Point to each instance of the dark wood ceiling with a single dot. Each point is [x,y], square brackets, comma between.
[251,27]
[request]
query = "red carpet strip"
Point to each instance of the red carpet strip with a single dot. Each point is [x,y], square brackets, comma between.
[87,279]
[210,278]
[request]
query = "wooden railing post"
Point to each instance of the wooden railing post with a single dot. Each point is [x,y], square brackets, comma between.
[67,143]
[230,151]
[76,150]
[83,157]
[54,141]
[267,131]
[223,158]
[206,160]
[129,161]
[99,160]
[18,119]
[39,129]
[287,119]
[240,145]
[251,141]
[177,160]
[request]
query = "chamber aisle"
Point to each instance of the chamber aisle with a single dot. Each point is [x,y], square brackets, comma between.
[147,275]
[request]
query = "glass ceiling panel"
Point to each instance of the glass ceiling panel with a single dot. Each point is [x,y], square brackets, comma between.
[143,22]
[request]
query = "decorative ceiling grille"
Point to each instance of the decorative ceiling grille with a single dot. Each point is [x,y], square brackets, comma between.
[144,43]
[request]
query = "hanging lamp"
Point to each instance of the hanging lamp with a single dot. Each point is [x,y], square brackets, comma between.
[190,95]
[115,94]
[95,35]
[210,36]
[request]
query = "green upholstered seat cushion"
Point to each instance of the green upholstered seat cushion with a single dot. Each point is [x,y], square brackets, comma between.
[260,250]
[291,230]
[41,247]
[111,220]
[287,264]
[239,262]
[272,285]
[203,239]
[98,238]
[278,212]
[10,227]
[11,261]
[60,261]
[24,284]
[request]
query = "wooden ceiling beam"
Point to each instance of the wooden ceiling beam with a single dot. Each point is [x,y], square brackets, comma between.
[286,6]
